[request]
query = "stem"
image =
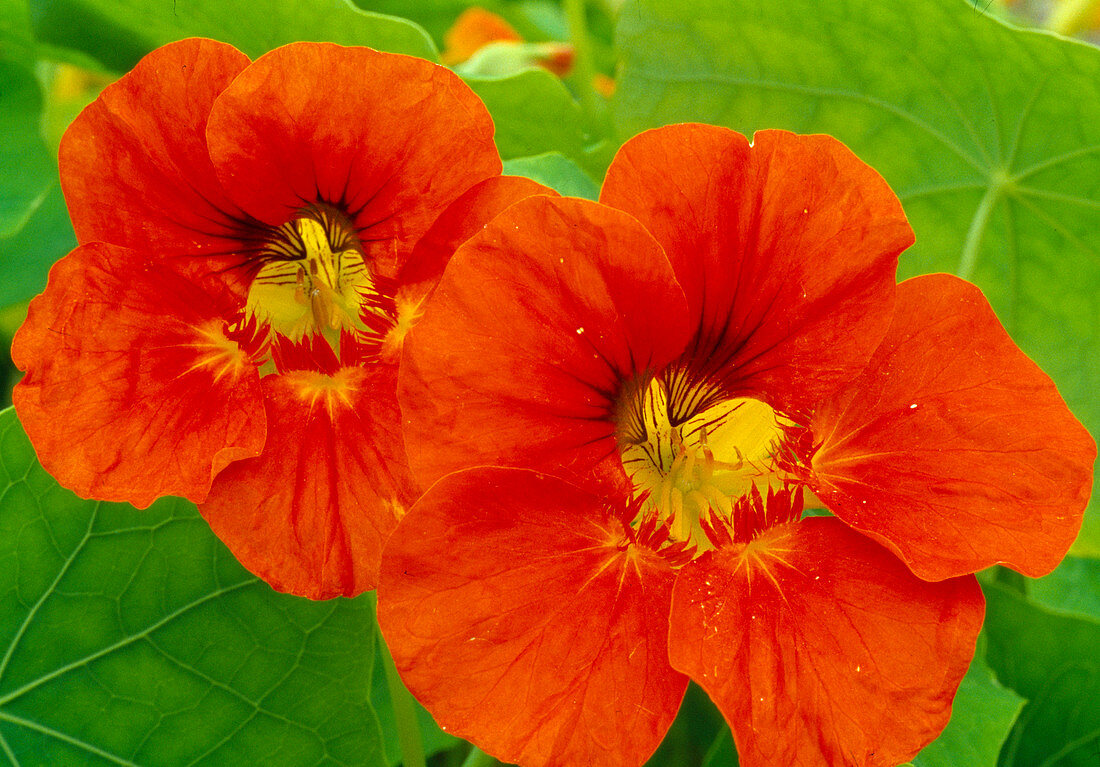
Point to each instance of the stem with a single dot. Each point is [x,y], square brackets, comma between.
[584,70]
[404,712]
[478,758]
[1072,16]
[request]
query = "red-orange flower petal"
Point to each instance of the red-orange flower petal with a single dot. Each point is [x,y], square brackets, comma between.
[953,448]
[524,619]
[474,29]
[132,388]
[462,219]
[538,321]
[311,515]
[134,164]
[786,250]
[390,140]
[820,648]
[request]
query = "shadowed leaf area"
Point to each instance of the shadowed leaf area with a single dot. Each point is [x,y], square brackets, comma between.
[1050,659]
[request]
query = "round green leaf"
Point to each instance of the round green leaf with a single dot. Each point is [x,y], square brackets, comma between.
[26,169]
[26,256]
[534,113]
[555,171]
[134,638]
[981,717]
[990,135]
[118,32]
[1074,588]
[1052,660]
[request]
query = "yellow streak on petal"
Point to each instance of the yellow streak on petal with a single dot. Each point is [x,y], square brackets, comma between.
[333,392]
[217,353]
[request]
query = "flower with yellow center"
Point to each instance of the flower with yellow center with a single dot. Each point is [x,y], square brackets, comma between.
[229,329]
[638,395]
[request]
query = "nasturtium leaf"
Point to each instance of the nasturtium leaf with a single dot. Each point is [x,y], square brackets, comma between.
[697,729]
[981,718]
[989,134]
[432,737]
[16,40]
[118,32]
[722,752]
[133,637]
[555,171]
[534,113]
[532,19]
[436,16]
[26,257]
[1073,588]
[1052,660]
[26,169]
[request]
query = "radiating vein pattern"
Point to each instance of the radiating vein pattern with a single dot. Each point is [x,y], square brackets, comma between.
[134,638]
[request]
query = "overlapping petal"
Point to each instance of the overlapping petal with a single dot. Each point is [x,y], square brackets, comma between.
[462,219]
[312,514]
[214,169]
[786,249]
[389,139]
[154,401]
[953,448]
[522,351]
[519,612]
[134,164]
[821,648]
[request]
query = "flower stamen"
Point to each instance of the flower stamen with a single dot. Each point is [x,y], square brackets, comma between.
[314,279]
[707,465]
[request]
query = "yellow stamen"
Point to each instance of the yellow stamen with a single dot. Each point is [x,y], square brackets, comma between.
[313,279]
[703,463]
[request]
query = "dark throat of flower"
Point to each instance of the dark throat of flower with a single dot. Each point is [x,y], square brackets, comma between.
[316,293]
[707,469]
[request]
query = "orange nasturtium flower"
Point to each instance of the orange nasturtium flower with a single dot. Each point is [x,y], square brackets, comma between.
[228,329]
[670,375]
[486,44]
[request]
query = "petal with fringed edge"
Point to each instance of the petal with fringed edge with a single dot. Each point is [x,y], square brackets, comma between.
[522,615]
[786,250]
[311,514]
[953,449]
[821,648]
[133,387]
[537,324]
[390,140]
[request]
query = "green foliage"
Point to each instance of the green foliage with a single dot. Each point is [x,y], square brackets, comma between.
[26,169]
[16,40]
[1051,660]
[556,172]
[1073,588]
[26,256]
[981,717]
[434,739]
[990,136]
[134,637]
[116,33]
[533,19]
[691,739]
[533,113]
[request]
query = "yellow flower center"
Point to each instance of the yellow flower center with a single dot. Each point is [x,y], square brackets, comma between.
[706,462]
[315,280]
